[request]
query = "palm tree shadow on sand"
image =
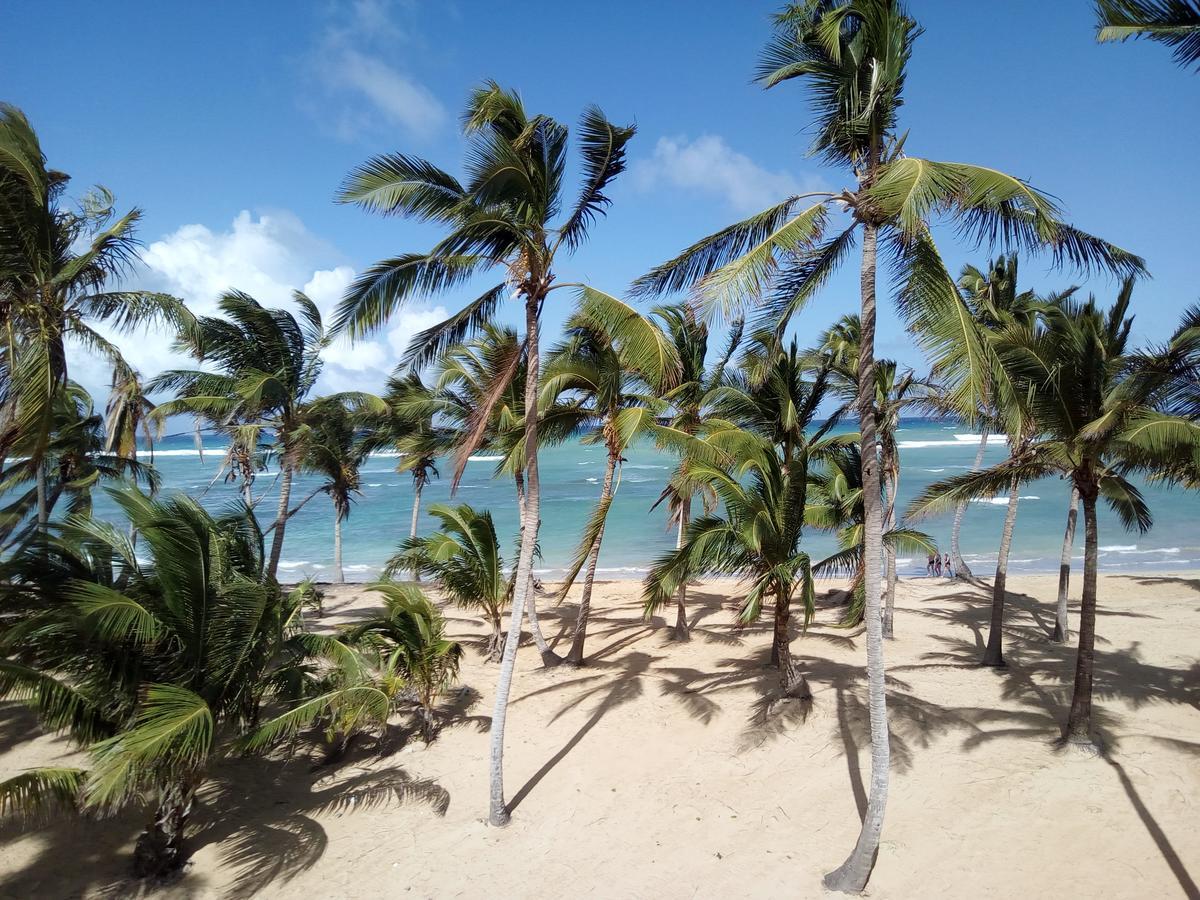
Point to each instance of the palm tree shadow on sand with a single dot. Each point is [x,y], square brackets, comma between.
[260,815]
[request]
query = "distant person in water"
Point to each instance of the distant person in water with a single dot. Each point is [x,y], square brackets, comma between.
[947,567]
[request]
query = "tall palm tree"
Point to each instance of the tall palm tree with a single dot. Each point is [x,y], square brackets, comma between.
[994,315]
[504,216]
[853,55]
[1175,23]
[150,661]
[1099,419]
[267,362]
[464,556]
[606,382]
[692,411]
[56,265]
[335,452]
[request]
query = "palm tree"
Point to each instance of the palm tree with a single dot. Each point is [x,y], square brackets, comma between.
[369,671]
[149,661]
[1098,420]
[129,416]
[268,361]
[335,452]
[74,462]
[692,411]
[467,376]
[56,263]
[835,504]
[757,538]
[854,56]
[406,422]
[464,557]
[1175,23]
[503,217]
[411,633]
[968,340]
[604,381]
[837,354]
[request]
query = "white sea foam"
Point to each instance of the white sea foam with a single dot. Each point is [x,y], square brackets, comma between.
[933,470]
[1118,548]
[375,484]
[1003,501]
[294,564]
[484,458]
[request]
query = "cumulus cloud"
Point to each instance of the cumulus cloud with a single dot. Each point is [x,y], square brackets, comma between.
[363,89]
[710,166]
[268,256]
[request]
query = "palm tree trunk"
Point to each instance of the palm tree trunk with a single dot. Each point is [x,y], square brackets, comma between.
[889,552]
[549,657]
[961,569]
[791,682]
[43,505]
[993,654]
[418,486]
[338,576]
[1062,631]
[498,810]
[495,640]
[682,632]
[852,875]
[1079,723]
[159,849]
[575,654]
[281,517]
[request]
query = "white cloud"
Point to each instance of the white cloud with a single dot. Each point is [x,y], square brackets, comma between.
[363,90]
[267,256]
[709,165]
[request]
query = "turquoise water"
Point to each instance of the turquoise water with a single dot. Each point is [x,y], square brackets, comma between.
[637,535]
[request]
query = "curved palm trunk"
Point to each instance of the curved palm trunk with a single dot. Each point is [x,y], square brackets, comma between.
[1062,631]
[993,654]
[575,654]
[682,632]
[418,486]
[498,810]
[549,657]
[892,469]
[159,849]
[852,875]
[961,569]
[338,576]
[281,517]
[1079,723]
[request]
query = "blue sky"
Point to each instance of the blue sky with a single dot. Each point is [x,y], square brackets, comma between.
[231,125]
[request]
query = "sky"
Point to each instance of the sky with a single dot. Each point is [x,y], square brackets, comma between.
[231,126]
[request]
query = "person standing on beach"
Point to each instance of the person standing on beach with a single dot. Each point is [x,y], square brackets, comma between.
[937,565]
[947,567]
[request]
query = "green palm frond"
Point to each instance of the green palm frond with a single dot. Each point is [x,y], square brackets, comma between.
[1174,23]
[38,791]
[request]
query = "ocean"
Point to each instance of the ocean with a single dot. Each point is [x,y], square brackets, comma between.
[636,534]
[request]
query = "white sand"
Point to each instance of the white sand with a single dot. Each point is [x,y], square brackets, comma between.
[663,770]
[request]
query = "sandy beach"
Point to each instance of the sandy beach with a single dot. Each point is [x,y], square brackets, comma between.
[670,770]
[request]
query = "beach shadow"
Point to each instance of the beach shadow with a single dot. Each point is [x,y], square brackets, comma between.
[615,692]
[1165,847]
